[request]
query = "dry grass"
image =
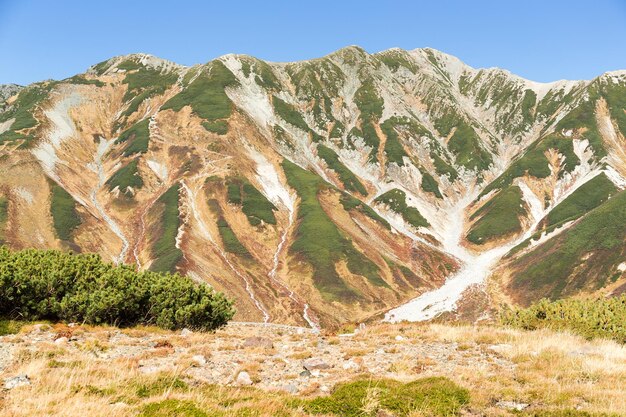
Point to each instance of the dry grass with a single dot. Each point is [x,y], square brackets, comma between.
[546,369]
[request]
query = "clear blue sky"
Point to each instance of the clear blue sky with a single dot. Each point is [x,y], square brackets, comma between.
[541,40]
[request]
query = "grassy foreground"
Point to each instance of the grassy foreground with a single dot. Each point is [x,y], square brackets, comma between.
[430,370]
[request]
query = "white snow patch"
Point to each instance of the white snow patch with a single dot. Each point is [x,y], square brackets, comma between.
[62,128]
[621,267]
[97,167]
[25,195]
[615,177]
[6,125]
[158,168]
[535,205]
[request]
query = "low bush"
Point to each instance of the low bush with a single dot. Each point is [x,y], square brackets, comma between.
[604,318]
[54,285]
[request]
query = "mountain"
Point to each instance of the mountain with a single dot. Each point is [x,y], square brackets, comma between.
[329,190]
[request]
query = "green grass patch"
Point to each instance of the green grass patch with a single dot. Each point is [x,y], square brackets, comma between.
[434,396]
[290,114]
[429,184]
[65,217]
[393,147]
[350,181]
[369,103]
[10,326]
[396,200]
[164,251]
[174,408]
[206,94]
[127,179]
[585,256]
[59,286]
[587,197]
[319,241]
[351,203]
[591,318]
[4,216]
[136,138]
[497,218]
[80,79]
[257,208]
[22,111]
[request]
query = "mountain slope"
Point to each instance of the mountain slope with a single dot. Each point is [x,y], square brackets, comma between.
[320,191]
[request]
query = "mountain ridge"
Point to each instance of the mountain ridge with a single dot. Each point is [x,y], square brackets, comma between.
[361,180]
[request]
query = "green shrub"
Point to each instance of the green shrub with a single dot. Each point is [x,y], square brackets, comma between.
[289,114]
[350,181]
[351,203]
[53,285]
[231,242]
[499,217]
[137,138]
[65,218]
[604,317]
[164,251]
[126,179]
[22,111]
[4,215]
[434,396]
[369,103]
[393,147]
[321,243]
[587,197]
[207,96]
[396,200]
[429,184]
[255,205]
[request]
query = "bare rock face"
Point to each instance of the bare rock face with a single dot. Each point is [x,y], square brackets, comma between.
[315,364]
[243,378]
[260,342]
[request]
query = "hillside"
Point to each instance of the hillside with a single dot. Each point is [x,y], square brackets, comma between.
[331,190]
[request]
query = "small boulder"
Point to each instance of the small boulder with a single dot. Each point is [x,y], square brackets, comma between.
[186,332]
[513,405]
[290,388]
[61,341]
[399,338]
[200,360]
[16,381]
[315,364]
[244,379]
[305,374]
[262,342]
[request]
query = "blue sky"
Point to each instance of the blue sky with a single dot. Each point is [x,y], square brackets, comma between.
[541,40]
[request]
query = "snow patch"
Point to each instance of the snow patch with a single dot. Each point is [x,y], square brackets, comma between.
[158,168]
[6,125]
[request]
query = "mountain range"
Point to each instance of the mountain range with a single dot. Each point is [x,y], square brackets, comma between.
[401,185]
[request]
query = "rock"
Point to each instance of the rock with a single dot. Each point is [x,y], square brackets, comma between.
[199,359]
[399,338]
[244,378]
[324,388]
[512,405]
[351,366]
[315,373]
[61,341]
[186,332]
[262,342]
[383,413]
[315,363]
[290,388]
[16,381]
[305,373]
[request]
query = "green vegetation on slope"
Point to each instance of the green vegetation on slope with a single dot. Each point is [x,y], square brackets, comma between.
[369,103]
[350,181]
[4,216]
[587,197]
[499,217]
[584,256]
[255,205]
[65,218]
[593,318]
[136,138]
[22,111]
[429,184]
[52,285]
[396,200]
[206,95]
[465,143]
[434,396]
[292,116]
[321,243]
[232,244]
[126,179]
[143,83]
[164,251]
[351,203]
[393,147]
